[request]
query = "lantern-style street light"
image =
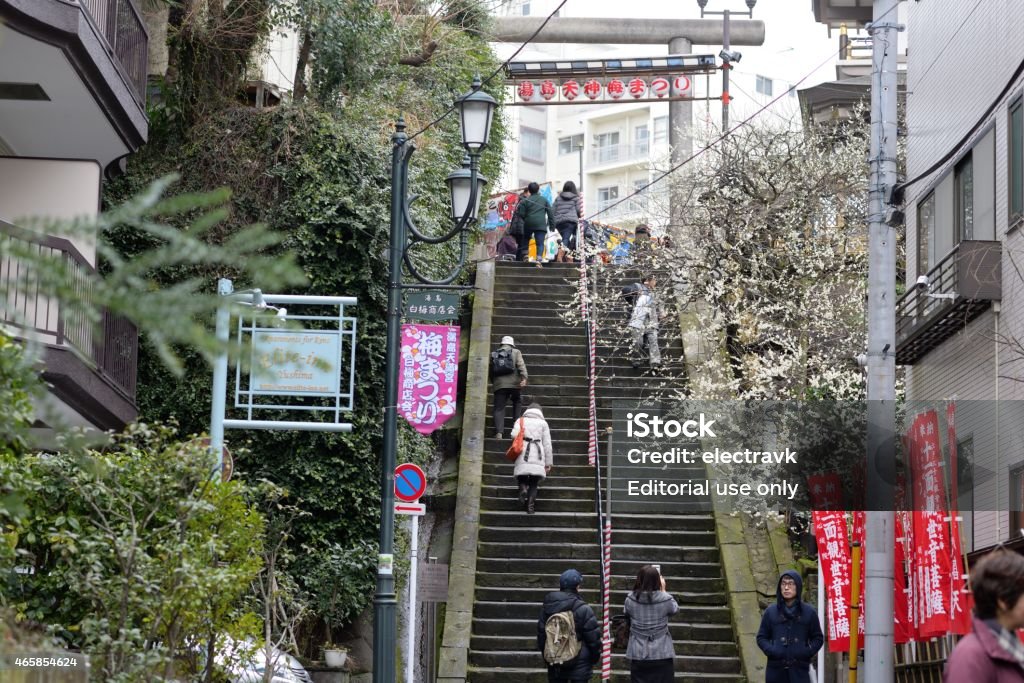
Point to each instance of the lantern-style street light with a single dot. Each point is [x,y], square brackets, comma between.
[465,184]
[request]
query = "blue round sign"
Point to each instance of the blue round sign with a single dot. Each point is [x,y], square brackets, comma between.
[410,482]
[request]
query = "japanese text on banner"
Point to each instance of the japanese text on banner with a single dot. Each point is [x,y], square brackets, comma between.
[428,375]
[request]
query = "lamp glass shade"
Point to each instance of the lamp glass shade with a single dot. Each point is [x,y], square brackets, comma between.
[476,111]
[459,187]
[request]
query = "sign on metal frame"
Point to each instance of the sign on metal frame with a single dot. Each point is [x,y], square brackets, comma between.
[607,81]
[307,369]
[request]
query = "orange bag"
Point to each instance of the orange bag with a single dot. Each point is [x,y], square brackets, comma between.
[516,449]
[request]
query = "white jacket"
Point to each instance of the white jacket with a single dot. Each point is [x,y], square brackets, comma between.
[645,311]
[537,451]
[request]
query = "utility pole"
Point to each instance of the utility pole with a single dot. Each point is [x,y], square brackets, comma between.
[881,353]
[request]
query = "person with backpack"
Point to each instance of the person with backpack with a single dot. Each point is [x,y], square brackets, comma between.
[789,635]
[567,632]
[650,651]
[643,322]
[568,210]
[536,216]
[508,377]
[534,463]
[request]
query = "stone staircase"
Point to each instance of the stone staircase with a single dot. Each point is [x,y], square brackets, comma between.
[520,556]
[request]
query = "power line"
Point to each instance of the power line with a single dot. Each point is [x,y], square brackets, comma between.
[949,42]
[494,73]
[899,189]
[725,134]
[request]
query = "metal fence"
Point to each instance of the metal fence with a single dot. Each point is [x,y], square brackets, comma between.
[112,346]
[120,23]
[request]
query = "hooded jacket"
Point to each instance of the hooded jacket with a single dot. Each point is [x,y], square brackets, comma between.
[567,208]
[979,658]
[587,631]
[790,636]
[537,451]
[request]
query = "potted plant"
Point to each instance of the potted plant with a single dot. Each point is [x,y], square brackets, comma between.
[335,655]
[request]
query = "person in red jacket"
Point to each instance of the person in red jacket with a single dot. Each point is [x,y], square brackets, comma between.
[992,653]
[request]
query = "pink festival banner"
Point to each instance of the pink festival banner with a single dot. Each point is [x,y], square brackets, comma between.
[429,375]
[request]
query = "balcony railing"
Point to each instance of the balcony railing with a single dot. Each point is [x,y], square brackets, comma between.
[960,288]
[611,154]
[120,23]
[113,348]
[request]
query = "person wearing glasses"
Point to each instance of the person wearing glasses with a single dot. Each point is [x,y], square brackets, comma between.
[790,634]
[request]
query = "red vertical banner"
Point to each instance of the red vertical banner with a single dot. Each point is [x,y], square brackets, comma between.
[903,600]
[960,601]
[931,530]
[834,556]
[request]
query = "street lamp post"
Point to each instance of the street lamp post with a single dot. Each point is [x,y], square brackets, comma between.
[727,55]
[476,111]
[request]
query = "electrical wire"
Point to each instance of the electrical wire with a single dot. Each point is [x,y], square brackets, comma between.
[954,151]
[725,134]
[494,73]
[949,41]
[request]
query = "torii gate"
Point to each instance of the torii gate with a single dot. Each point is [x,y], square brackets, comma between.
[679,34]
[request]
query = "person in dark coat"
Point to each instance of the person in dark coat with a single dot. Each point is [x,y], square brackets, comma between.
[568,209]
[537,218]
[567,598]
[790,634]
[991,653]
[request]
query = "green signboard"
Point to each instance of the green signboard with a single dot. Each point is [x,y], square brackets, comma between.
[432,306]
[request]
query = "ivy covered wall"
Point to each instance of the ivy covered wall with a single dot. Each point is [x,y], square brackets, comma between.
[319,171]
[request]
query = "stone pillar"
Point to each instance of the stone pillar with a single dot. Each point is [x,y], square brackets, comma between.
[680,137]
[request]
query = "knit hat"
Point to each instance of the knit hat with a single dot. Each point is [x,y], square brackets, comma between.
[508,340]
[570,579]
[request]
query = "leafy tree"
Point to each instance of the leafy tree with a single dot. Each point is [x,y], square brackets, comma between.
[131,552]
[318,172]
[773,258]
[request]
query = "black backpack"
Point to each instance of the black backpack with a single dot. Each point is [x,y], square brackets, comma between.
[630,293]
[502,362]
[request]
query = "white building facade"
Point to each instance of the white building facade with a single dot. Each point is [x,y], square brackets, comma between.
[614,150]
[960,325]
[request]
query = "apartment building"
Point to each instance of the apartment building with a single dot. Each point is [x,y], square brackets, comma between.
[72,107]
[613,150]
[961,321]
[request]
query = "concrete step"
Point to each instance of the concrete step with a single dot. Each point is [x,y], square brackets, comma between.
[535,548]
[527,675]
[694,663]
[529,642]
[702,614]
[710,593]
[547,502]
[511,628]
[566,519]
[591,567]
